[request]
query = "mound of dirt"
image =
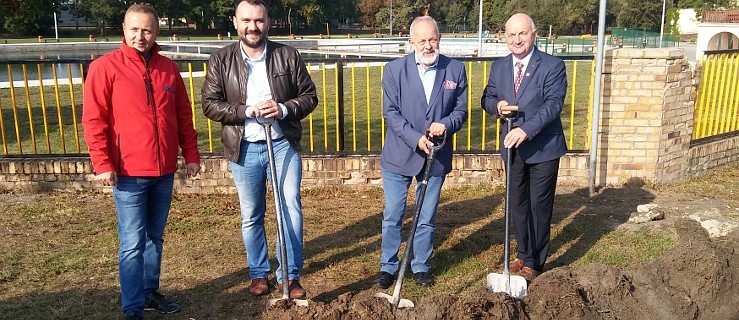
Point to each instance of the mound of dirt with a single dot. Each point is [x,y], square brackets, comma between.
[698,279]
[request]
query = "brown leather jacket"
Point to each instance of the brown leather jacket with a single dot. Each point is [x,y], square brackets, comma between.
[223,93]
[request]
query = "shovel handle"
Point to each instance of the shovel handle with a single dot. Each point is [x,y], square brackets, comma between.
[509,108]
[438,142]
[281,238]
[265,121]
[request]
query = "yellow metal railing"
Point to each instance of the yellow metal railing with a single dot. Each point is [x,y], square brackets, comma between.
[327,129]
[717,104]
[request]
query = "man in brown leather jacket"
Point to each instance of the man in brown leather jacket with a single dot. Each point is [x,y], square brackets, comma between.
[257,78]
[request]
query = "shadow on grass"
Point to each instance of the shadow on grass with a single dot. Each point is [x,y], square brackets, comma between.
[580,221]
[220,298]
[469,232]
[450,216]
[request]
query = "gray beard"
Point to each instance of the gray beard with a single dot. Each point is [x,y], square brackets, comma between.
[423,59]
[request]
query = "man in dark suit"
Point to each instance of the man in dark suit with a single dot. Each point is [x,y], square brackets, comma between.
[536,82]
[422,91]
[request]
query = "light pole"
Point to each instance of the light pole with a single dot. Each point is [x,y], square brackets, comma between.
[479,34]
[391,18]
[596,97]
[662,23]
[289,22]
[56,29]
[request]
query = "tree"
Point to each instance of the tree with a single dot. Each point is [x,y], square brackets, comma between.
[637,14]
[104,12]
[578,16]
[369,10]
[496,13]
[403,13]
[222,12]
[312,13]
[24,17]
[171,10]
[456,14]
[199,13]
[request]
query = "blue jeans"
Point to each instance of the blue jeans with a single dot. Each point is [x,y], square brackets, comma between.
[250,174]
[396,192]
[143,206]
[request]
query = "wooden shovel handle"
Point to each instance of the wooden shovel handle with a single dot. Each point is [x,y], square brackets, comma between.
[509,108]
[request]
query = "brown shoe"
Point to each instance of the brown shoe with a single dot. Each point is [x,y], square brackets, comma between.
[295,289]
[259,286]
[515,266]
[528,273]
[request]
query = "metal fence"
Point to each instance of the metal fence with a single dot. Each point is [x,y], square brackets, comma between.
[41,113]
[717,101]
[641,38]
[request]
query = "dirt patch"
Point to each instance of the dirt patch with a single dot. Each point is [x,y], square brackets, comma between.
[58,257]
[698,279]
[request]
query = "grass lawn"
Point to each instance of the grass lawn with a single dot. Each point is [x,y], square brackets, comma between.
[58,257]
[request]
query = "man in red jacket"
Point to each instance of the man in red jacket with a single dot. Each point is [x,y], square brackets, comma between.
[136,117]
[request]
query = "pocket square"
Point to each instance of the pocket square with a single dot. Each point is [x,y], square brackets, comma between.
[448,84]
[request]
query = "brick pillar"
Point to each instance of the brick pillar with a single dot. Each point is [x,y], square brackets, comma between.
[647,115]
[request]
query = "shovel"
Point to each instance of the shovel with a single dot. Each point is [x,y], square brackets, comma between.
[267,124]
[395,299]
[514,286]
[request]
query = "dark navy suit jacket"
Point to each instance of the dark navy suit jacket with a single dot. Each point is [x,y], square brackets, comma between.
[408,115]
[540,100]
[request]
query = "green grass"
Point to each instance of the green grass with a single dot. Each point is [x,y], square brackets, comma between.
[720,184]
[363,125]
[620,248]
[58,257]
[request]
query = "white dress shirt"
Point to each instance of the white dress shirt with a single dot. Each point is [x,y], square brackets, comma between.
[258,90]
[525,62]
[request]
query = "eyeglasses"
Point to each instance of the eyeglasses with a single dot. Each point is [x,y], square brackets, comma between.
[432,42]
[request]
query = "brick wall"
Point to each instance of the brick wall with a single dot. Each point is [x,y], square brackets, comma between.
[646,127]
[715,154]
[647,115]
[215,176]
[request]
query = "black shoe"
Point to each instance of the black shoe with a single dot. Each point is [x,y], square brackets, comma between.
[384,280]
[156,301]
[132,316]
[423,279]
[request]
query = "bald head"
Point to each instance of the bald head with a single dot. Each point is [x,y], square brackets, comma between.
[519,18]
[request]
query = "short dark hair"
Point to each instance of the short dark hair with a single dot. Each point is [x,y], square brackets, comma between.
[252,2]
[142,8]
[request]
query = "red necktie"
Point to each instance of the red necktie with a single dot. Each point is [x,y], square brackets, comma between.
[519,77]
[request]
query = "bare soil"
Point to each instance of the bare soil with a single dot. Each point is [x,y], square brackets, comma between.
[697,279]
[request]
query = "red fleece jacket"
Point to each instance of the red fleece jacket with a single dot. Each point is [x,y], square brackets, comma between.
[136,117]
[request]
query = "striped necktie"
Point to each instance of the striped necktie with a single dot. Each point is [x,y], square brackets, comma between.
[519,77]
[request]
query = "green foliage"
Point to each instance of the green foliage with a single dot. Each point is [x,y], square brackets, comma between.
[673,14]
[221,12]
[103,12]
[19,26]
[566,17]
[637,14]
[456,13]
[27,17]
[369,10]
